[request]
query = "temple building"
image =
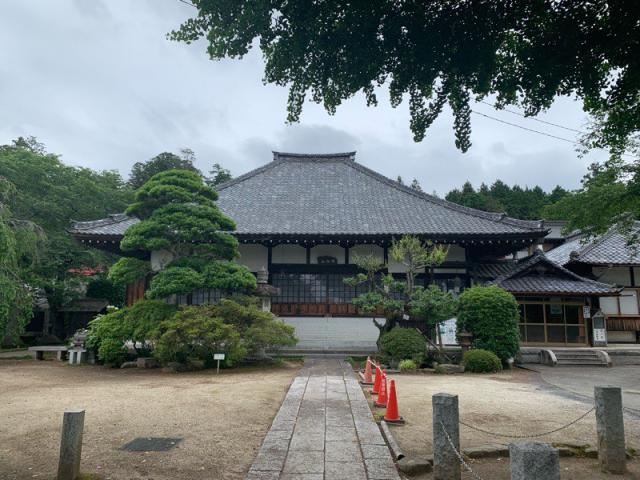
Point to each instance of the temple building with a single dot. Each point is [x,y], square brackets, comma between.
[303,217]
[609,258]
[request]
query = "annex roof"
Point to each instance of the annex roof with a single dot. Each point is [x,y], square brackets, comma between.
[332,194]
[611,248]
[538,275]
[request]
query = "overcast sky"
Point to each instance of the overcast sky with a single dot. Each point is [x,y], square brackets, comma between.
[98,82]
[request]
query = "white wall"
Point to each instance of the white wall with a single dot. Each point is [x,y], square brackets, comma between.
[160,259]
[614,275]
[254,257]
[327,250]
[288,254]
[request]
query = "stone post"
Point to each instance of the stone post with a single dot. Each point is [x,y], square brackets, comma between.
[71,445]
[534,461]
[610,426]
[446,465]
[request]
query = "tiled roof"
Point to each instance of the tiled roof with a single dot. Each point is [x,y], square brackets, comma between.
[537,274]
[608,249]
[113,225]
[331,194]
[484,271]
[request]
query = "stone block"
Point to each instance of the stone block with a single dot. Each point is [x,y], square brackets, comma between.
[534,461]
[147,362]
[71,445]
[446,437]
[610,428]
[414,466]
[129,365]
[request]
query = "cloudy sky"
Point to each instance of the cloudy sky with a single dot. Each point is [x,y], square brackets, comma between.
[98,82]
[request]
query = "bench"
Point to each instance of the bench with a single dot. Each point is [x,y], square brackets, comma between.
[39,351]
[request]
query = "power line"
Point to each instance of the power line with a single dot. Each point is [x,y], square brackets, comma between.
[514,112]
[526,128]
[188,3]
[573,142]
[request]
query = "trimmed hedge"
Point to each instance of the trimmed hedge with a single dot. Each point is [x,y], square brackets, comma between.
[481,361]
[491,315]
[403,343]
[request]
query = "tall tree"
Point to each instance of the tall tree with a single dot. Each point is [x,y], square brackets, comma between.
[47,196]
[141,172]
[179,216]
[19,254]
[439,52]
[609,197]
[218,175]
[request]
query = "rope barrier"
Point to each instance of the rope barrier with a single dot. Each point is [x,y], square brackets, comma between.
[459,455]
[535,435]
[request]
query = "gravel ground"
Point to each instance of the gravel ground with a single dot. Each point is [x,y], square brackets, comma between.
[513,402]
[222,419]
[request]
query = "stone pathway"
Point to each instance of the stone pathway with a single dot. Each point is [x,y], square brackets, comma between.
[324,430]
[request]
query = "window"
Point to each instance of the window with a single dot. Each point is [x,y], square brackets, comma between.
[315,288]
[552,320]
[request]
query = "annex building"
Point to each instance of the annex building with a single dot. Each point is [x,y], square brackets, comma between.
[303,217]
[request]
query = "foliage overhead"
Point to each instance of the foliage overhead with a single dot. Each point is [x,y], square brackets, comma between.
[436,52]
[491,314]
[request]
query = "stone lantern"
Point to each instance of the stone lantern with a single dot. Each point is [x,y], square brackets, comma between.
[465,340]
[264,290]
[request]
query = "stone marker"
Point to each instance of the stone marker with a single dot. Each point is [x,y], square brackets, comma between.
[610,426]
[71,445]
[446,465]
[534,461]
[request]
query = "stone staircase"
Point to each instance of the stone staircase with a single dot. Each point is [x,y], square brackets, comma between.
[576,357]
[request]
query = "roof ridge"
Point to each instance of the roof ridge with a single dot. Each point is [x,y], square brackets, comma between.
[496,217]
[537,257]
[284,156]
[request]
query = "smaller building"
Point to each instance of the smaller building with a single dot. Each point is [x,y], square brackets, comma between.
[555,303]
[610,259]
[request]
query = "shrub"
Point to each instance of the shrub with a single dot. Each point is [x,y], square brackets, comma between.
[109,333]
[491,315]
[259,330]
[195,334]
[408,366]
[403,343]
[481,361]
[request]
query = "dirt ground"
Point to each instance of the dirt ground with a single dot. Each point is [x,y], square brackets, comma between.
[511,402]
[222,419]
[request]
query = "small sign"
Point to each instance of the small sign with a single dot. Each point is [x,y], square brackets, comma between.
[405,316]
[586,311]
[218,356]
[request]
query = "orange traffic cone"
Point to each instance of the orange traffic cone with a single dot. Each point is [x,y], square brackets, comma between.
[368,379]
[377,381]
[382,396]
[392,415]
